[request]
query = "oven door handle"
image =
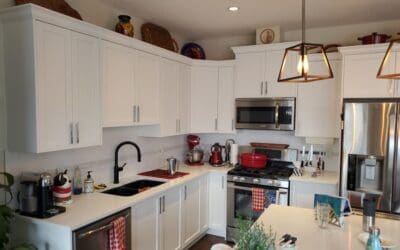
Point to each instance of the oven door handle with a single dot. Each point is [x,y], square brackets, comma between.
[230,185]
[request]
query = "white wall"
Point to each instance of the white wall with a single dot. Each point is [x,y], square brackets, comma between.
[219,48]
[244,137]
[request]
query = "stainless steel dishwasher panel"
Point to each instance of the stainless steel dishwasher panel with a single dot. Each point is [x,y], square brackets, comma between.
[95,235]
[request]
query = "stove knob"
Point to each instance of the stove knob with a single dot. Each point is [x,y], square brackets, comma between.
[256,181]
[235,178]
[242,179]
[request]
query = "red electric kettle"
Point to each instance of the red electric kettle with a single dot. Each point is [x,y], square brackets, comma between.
[216,154]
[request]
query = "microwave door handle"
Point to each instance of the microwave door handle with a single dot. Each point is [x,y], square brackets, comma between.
[277,115]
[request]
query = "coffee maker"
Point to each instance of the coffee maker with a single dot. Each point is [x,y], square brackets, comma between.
[35,196]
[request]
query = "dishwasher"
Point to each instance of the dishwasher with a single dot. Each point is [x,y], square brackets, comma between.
[95,235]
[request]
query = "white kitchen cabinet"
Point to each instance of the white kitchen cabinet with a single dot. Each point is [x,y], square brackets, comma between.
[184,99]
[204,207]
[190,211]
[169,97]
[318,103]
[118,64]
[250,74]
[86,90]
[360,66]
[204,99]
[226,100]
[217,203]
[170,228]
[53,104]
[257,70]
[146,89]
[302,193]
[145,224]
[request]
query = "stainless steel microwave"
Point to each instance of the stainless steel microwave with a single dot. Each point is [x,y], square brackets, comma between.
[265,113]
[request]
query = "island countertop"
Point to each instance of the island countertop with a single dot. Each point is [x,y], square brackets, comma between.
[300,223]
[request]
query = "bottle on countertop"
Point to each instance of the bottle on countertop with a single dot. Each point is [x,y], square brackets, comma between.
[374,243]
[88,184]
[77,181]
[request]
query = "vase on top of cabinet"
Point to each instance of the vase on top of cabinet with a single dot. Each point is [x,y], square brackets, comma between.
[124,26]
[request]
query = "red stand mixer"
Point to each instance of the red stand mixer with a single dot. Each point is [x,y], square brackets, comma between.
[195,155]
[216,155]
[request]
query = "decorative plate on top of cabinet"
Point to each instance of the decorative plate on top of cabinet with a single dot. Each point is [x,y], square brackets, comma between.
[267,36]
[193,50]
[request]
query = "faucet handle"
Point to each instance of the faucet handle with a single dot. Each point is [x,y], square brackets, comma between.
[123,165]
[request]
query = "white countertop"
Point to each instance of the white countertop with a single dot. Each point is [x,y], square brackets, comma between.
[87,208]
[300,223]
[326,177]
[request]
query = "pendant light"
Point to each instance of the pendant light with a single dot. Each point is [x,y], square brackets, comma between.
[384,71]
[295,64]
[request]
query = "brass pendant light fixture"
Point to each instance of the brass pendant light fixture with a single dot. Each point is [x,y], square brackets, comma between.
[296,65]
[384,71]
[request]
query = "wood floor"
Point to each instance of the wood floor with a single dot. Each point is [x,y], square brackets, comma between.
[207,241]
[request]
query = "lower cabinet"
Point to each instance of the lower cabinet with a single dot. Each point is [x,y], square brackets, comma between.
[217,203]
[302,193]
[172,220]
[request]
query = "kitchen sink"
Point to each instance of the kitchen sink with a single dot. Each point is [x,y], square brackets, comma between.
[133,188]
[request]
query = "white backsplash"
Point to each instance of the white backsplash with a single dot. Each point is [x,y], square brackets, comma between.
[244,137]
[101,159]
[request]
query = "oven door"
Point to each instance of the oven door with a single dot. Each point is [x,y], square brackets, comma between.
[269,114]
[240,201]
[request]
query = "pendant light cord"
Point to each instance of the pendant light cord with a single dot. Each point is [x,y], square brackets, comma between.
[303,21]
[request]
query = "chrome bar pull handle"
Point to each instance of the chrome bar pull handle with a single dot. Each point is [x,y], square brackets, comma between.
[77,132]
[71,133]
[233,125]
[216,124]
[222,182]
[261,88]
[266,87]
[138,113]
[277,115]
[134,113]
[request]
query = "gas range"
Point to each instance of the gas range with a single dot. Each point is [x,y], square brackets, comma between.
[276,174]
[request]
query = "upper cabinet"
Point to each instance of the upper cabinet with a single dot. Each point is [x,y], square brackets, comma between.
[257,70]
[130,86]
[52,87]
[360,66]
[212,97]
[318,103]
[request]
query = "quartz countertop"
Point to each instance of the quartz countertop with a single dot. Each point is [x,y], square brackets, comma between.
[300,223]
[87,208]
[326,177]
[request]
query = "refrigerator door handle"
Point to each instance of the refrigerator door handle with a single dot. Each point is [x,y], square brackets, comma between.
[396,170]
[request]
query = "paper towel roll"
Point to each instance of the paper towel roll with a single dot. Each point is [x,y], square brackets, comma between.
[234,154]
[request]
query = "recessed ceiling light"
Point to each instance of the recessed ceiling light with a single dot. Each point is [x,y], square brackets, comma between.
[233,8]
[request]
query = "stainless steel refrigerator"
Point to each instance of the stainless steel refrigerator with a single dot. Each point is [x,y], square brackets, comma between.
[371,153]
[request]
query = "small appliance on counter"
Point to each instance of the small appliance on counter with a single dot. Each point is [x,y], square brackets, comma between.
[62,189]
[172,165]
[195,155]
[35,196]
[216,155]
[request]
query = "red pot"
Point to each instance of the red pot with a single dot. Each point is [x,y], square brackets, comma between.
[250,160]
[374,38]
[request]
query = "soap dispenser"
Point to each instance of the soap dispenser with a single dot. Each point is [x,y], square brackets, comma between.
[88,185]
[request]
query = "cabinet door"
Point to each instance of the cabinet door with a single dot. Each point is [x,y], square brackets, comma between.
[318,105]
[273,88]
[226,100]
[145,224]
[359,77]
[184,99]
[204,204]
[191,211]
[53,88]
[86,90]
[169,97]
[118,73]
[171,227]
[217,203]
[250,75]
[147,89]
[204,99]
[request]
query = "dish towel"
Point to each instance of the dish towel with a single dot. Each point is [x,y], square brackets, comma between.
[116,235]
[258,199]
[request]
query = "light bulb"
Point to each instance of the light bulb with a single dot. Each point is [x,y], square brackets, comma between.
[303,63]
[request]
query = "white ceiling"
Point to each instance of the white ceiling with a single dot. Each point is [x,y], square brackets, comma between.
[197,19]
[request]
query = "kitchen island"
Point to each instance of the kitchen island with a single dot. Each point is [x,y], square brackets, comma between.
[300,223]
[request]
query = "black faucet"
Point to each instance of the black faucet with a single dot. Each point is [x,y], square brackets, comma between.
[117,168]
